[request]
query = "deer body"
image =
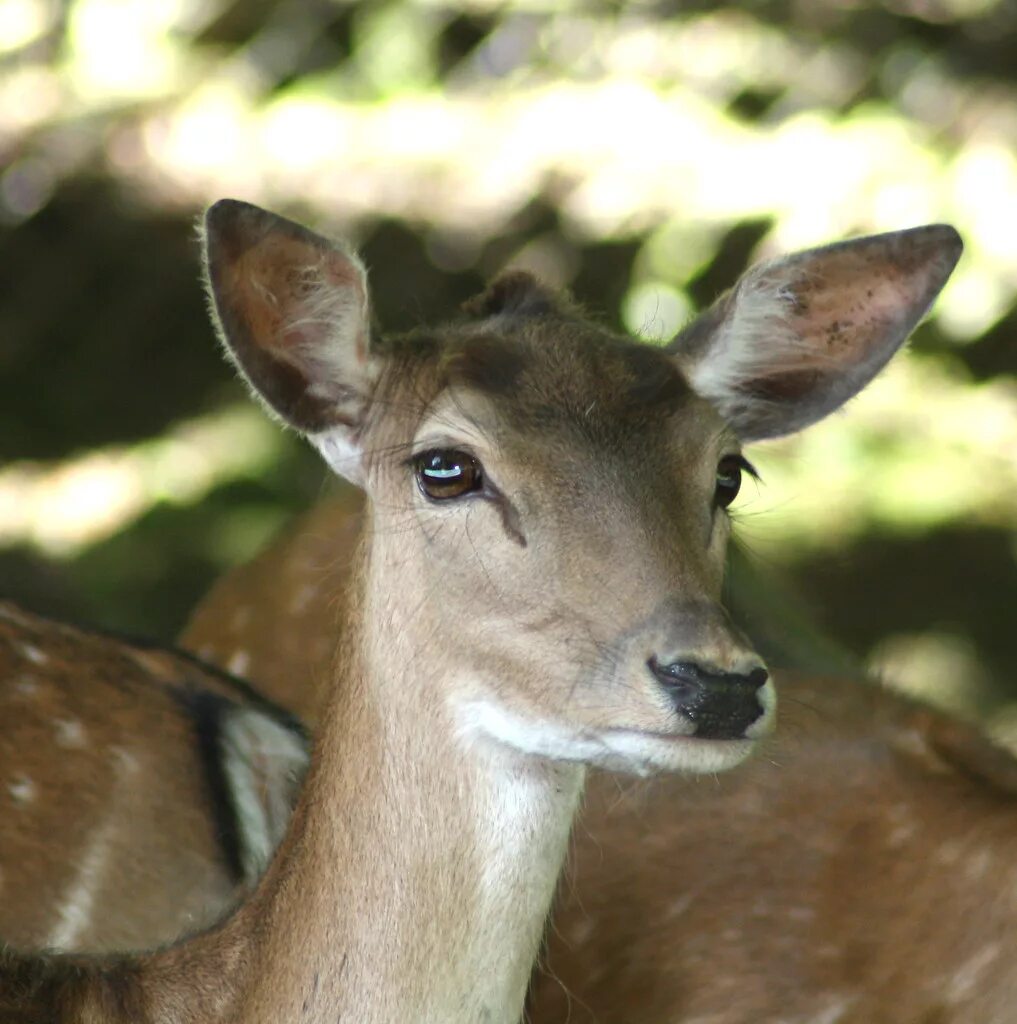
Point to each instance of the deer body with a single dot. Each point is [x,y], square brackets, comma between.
[129,770]
[855,872]
[537,590]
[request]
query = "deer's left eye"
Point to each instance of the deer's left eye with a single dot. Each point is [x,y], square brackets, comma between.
[729,479]
[444,473]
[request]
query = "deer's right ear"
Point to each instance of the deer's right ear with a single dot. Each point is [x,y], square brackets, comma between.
[292,311]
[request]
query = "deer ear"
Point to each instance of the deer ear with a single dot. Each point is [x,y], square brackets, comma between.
[292,312]
[798,336]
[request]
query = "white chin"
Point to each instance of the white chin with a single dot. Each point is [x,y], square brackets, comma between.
[619,750]
[642,754]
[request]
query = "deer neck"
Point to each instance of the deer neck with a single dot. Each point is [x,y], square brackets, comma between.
[423,860]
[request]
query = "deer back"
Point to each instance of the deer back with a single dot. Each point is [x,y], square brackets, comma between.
[141,793]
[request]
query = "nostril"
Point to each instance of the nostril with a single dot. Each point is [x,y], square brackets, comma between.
[691,674]
[682,679]
[757,677]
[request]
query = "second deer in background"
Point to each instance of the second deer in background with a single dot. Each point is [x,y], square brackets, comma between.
[141,792]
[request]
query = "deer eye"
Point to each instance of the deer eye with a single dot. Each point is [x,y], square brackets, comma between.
[729,479]
[444,473]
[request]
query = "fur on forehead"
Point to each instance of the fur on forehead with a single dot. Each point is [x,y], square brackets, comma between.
[540,359]
[516,293]
[559,368]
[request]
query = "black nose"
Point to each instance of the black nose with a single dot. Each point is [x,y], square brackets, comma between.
[722,705]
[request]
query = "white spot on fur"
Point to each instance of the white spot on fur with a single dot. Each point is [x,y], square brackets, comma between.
[969,974]
[580,932]
[302,598]
[680,905]
[948,853]
[70,733]
[34,655]
[74,914]
[21,789]
[27,686]
[834,1011]
[801,913]
[761,908]
[125,761]
[899,835]
[978,865]
[239,663]
[902,825]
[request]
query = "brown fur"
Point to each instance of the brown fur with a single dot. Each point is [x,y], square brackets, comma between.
[92,729]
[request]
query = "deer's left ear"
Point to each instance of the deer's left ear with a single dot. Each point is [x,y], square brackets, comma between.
[292,310]
[798,336]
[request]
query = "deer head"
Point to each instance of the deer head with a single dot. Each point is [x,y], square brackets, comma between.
[548,520]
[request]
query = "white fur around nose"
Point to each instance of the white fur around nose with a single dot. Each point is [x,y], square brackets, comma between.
[767,721]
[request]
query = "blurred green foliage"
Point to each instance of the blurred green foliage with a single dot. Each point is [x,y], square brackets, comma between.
[640,154]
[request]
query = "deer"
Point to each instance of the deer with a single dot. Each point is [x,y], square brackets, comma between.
[536,591]
[168,782]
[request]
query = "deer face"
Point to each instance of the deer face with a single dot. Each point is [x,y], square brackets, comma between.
[560,493]
[548,501]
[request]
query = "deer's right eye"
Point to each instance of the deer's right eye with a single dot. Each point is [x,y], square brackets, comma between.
[444,473]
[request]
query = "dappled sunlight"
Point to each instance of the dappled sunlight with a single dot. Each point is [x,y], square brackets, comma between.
[655,310]
[23,21]
[920,448]
[62,508]
[124,50]
[643,136]
[937,666]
